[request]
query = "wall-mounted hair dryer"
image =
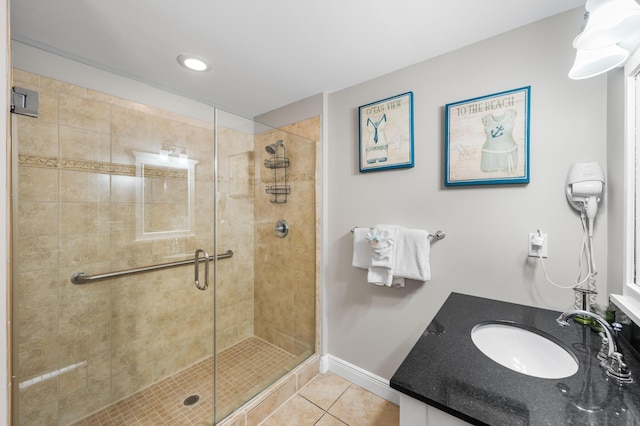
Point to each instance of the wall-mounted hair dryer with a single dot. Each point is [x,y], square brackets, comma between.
[584,187]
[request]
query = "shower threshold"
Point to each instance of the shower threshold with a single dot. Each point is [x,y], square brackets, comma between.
[244,370]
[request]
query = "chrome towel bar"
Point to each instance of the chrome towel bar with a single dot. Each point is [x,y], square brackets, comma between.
[82,278]
[439,235]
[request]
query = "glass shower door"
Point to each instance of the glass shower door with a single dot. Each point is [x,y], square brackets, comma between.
[103,185]
[265,294]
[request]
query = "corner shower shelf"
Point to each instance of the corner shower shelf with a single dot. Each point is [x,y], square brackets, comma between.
[276,163]
[279,191]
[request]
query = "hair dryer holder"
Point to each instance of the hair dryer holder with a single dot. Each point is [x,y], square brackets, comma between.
[584,184]
[584,187]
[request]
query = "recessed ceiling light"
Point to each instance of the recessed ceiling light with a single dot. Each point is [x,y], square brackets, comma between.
[193,63]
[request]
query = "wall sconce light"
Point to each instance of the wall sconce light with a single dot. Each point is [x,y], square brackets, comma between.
[168,150]
[610,31]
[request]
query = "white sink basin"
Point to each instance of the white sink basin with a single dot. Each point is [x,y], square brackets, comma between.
[522,350]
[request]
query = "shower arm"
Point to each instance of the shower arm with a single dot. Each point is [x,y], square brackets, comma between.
[82,278]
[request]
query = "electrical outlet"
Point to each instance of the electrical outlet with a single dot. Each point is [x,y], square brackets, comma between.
[533,251]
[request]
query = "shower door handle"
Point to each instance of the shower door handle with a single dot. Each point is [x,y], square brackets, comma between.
[206,270]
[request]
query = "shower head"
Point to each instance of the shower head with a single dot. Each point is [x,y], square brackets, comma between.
[271,148]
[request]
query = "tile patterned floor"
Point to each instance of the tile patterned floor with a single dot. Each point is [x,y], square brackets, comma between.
[330,400]
[244,370]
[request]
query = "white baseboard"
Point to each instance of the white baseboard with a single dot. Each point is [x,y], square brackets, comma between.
[360,377]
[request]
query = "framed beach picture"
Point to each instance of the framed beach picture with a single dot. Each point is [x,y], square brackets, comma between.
[386,133]
[487,139]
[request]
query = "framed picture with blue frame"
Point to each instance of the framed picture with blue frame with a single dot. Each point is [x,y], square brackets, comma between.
[386,133]
[487,139]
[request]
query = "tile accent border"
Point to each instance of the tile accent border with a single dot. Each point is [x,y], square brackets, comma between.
[130,170]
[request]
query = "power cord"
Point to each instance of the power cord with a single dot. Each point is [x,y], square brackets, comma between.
[586,252]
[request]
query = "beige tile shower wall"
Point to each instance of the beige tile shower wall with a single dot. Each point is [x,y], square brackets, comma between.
[77,212]
[234,280]
[285,268]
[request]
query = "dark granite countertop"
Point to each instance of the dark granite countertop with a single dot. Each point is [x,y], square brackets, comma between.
[446,370]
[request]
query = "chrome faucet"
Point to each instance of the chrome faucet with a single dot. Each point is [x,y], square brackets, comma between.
[614,363]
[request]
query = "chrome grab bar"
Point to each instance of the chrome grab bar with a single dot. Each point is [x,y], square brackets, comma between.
[196,262]
[82,278]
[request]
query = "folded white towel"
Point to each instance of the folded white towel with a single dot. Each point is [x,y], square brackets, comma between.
[361,249]
[412,254]
[382,243]
[383,277]
[379,276]
[389,264]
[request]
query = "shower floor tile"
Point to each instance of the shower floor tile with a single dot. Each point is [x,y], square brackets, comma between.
[243,370]
[247,368]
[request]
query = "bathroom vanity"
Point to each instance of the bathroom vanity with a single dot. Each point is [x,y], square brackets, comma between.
[446,380]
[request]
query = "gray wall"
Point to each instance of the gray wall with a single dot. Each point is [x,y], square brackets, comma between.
[485,249]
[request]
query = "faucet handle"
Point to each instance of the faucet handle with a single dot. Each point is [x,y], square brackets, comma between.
[617,327]
[617,369]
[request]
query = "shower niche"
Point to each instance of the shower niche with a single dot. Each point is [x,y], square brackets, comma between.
[165,198]
[277,162]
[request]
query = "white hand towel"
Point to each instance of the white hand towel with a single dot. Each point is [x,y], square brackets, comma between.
[412,254]
[361,249]
[382,274]
[382,241]
[382,246]
[379,276]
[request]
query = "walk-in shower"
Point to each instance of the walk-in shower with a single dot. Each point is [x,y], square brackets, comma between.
[112,320]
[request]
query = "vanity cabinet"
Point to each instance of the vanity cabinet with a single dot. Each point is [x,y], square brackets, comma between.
[446,380]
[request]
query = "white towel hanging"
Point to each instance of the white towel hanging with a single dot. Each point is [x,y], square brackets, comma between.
[407,256]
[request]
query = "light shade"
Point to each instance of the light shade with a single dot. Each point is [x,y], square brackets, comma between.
[632,42]
[193,63]
[608,22]
[592,62]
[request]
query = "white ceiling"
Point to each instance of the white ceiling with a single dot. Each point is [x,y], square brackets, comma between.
[265,53]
